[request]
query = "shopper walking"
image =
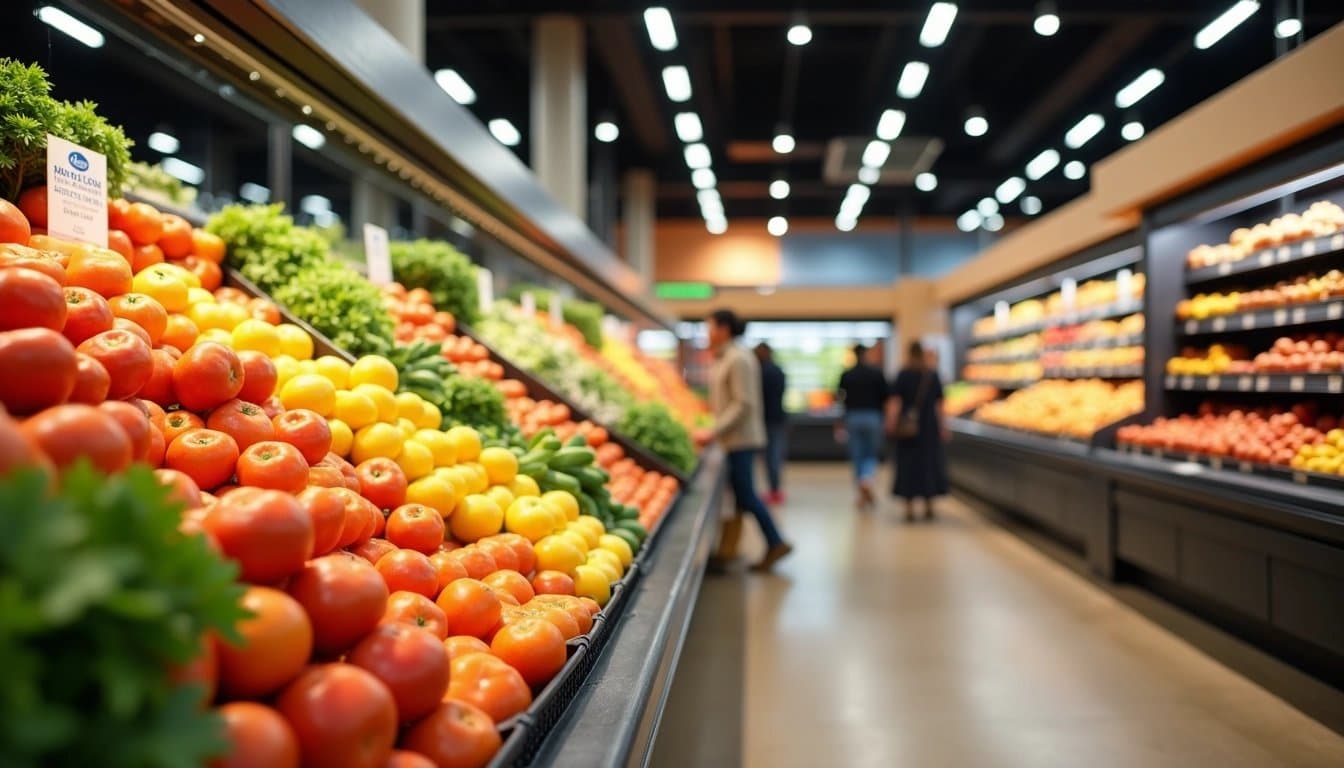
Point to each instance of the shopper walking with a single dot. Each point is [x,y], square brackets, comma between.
[863,391]
[773,384]
[735,399]
[918,431]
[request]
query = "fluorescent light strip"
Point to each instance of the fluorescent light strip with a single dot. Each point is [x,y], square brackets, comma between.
[1084,130]
[309,136]
[677,83]
[937,24]
[314,204]
[869,175]
[913,77]
[55,17]
[182,170]
[1132,131]
[800,34]
[858,193]
[606,132]
[1010,189]
[1287,28]
[505,132]
[1031,205]
[783,143]
[662,33]
[1042,164]
[163,143]
[1229,20]
[697,156]
[1141,86]
[876,153]
[987,206]
[779,189]
[890,125]
[689,128]
[976,125]
[777,226]
[993,222]
[1075,170]
[254,193]
[703,178]
[453,85]
[716,226]
[926,182]
[969,221]
[845,224]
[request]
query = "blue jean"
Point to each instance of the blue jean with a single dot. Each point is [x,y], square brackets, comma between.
[741,480]
[865,441]
[776,446]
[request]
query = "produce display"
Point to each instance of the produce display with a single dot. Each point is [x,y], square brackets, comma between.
[1021,346]
[1304,353]
[1304,289]
[1089,296]
[584,316]
[1322,218]
[960,397]
[1075,409]
[1296,437]
[1114,357]
[1097,332]
[1004,372]
[155,184]
[443,272]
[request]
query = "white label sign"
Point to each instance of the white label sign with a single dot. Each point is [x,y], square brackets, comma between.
[529,303]
[376,254]
[557,310]
[1068,294]
[76,192]
[1001,315]
[485,288]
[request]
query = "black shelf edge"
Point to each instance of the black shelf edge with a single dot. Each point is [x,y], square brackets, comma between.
[1231,464]
[1275,383]
[1020,384]
[1278,317]
[1269,258]
[1021,357]
[1107,312]
[1103,372]
[1133,340]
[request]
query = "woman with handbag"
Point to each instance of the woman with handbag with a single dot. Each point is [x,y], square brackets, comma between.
[918,431]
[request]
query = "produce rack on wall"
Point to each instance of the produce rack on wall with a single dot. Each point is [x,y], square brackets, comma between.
[1225,494]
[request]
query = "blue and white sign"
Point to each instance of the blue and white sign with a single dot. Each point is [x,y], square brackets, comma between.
[76,192]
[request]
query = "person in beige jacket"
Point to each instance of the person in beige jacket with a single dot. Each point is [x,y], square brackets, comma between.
[739,426]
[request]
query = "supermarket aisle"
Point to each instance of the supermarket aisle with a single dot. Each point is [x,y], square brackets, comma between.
[952,644]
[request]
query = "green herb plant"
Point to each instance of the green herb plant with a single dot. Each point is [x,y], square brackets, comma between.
[653,426]
[441,269]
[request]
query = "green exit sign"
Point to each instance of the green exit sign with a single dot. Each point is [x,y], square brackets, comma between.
[683,290]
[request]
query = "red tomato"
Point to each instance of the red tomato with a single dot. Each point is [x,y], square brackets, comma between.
[206,455]
[142,222]
[357,511]
[344,596]
[406,570]
[14,227]
[17,449]
[30,299]
[326,509]
[461,645]
[33,205]
[158,389]
[181,488]
[471,608]
[273,464]
[126,357]
[382,482]
[305,430]
[455,735]
[175,238]
[268,532]
[373,550]
[344,717]
[511,583]
[527,556]
[208,272]
[487,682]
[273,407]
[258,737]
[181,333]
[121,243]
[144,311]
[448,568]
[553,583]
[158,447]
[417,527]
[122,324]
[400,758]
[87,314]
[177,422]
[412,663]
[418,611]
[207,375]
[276,641]
[534,647]
[67,432]
[117,213]
[325,477]
[259,377]
[145,256]
[207,245]
[477,561]
[135,421]
[264,309]
[503,555]
[245,422]
[101,270]
[91,381]
[48,263]
[38,369]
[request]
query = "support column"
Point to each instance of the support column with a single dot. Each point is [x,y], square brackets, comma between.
[559,137]
[405,19]
[369,204]
[640,187]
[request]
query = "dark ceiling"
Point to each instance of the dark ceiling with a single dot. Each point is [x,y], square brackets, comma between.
[747,79]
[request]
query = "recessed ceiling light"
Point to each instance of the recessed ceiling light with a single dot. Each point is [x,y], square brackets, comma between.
[254,193]
[1075,170]
[452,84]
[1047,21]
[1083,131]
[182,170]
[1009,190]
[800,34]
[987,206]
[606,132]
[937,24]
[876,153]
[1132,131]
[1042,164]
[1287,28]
[993,222]
[163,143]
[777,226]
[697,156]
[845,224]
[869,175]
[1139,87]
[504,132]
[857,194]
[309,136]
[314,203]
[688,127]
[1226,22]
[779,189]
[663,35]
[1031,205]
[926,182]
[891,123]
[677,83]
[58,19]
[716,226]
[969,221]
[913,77]
[783,143]
[703,178]
[976,124]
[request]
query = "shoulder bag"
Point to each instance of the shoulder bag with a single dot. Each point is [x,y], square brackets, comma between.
[907,428]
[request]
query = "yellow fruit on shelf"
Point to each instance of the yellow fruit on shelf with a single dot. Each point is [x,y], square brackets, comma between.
[429,416]
[501,466]
[377,440]
[557,553]
[579,539]
[233,315]
[617,546]
[286,368]
[589,538]
[335,369]
[408,405]
[415,459]
[525,487]
[376,370]
[608,561]
[438,443]
[591,582]
[294,341]
[311,391]
[528,517]
[563,501]
[385,401]
[217,335]
[342,437]
[476,517]
[189,278]
[434,491]
[407,427]
[592,526]
[468,442]
[501,494]
[475,473]
[258,336]
[200,296]
[164,286]
[207,316]
[355,409]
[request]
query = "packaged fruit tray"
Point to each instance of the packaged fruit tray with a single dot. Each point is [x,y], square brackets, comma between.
[1228,464]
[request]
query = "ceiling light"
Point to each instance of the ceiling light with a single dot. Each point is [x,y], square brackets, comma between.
[783,143]
[1084,130]
[800,34]
[314,204]
[163,143]
[1009,190]
[697,156]
[857,194]
[254,193]
[1228,21]
[779,189]
[1042,164]
[1141,86]
[845,224]
[976,124]
[1075,170]
[688,127]
[677,83]
[876,153]
[891,123]
[606,132]
[703,178]
[325,218]
[1031,205]
[709,198]
[1047,21]
[1287,28]
[937,24]
[869,175]
[987,206]
[1132,131]
[453,85]
[777,226]
[71,26]
[716,226]
[926,182]
[969,221]
[504,131]
[912,79]
[658,21]
[993,222]
[309,136]
[182,170]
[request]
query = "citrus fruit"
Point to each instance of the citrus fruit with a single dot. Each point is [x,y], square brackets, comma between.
[376,441]
[311,391]
[445,452]
[468,442]
[335,369]
[434,491]
[355,409]
[476,517]
[415,460]
[385,401]
[374,369]
[294,341]
[501,466]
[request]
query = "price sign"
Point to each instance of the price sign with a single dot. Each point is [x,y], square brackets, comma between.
[1171,381]
[485,288]
[1309,248]
[1285,253]
[1266,258]
[1215,382]
[1300,478]
[1337,243]
[1334,384]
[528,303]
[1068,294]
[1191,326]
[1261,383]
[1280,317]
[1248,322]
[1244,383]
[1245,466]
[76,192]
[1219,324]
[1299,315]
[376,254]
[1216,462]
[1225,268]
[1335,311]
[1296,384]
[1001,315]
[1187,382]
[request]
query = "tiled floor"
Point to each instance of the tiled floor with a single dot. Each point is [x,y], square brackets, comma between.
[950,643]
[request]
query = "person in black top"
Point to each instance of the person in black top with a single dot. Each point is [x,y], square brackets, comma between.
[863,393]
[915,422]
[773,384]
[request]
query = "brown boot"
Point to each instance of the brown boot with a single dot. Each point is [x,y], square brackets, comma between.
[730,531]
[772,556]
